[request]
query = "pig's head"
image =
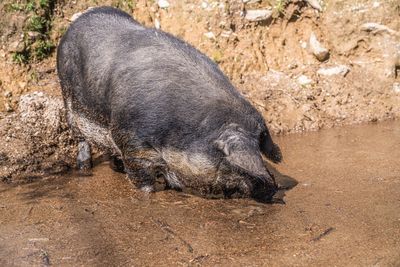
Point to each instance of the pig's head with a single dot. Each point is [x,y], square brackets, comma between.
[230,163]
[242,169]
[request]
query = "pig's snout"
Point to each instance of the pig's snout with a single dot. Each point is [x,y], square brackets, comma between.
[263,189]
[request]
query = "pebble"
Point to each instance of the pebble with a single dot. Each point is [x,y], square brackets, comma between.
[163,3]
[251,1]
[258,14]
[376,27]
[226,34]
[320,52]
[304,80]
[8,107]
[336,70]
[396,88]
[8,94]
[157,23]
[210,35]
[33,35]
[315,4]
[16,46]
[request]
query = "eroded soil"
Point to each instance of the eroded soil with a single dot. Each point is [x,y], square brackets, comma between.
[269,61]
[345,211]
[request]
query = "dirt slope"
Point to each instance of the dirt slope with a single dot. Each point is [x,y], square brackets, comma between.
[268,60]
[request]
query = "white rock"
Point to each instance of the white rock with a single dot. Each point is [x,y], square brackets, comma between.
[303,44]
[376,27]
[204,5]
[251,1]
[336,70]
[315,4]
[210,35]
[226,34]
[376,4]
[163,3]
[320,52]
[16,46]
[304,80]
[396,88]
[258,14]
[157,24]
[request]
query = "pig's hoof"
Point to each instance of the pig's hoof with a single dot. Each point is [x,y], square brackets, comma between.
[84,158]
[85,168]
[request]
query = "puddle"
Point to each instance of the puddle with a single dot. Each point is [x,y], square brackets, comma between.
[344,211]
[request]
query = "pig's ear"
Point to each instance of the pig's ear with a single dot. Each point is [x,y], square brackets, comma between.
[269,148]
[242,153]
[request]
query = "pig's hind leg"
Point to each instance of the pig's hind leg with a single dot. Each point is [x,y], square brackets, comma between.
[84,157]
[81,129]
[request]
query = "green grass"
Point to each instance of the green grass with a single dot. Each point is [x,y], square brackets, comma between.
[30,6]
[39,20]
[20,57]
[280,6]
[37,24]
[42,49]
[126,5]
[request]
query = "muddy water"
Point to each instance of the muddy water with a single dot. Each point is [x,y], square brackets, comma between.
[344,211]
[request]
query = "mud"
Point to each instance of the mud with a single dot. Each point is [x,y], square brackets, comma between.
[343,212]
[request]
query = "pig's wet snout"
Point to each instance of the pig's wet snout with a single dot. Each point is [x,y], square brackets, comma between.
[263,191]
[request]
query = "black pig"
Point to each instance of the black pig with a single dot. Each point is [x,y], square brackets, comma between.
[162,107]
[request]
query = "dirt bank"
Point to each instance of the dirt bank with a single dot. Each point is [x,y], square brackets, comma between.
[343,212]
[270,60]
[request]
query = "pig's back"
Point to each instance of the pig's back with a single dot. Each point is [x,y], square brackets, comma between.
[85,59]
[137,77]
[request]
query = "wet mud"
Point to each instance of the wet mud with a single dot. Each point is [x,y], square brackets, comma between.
[344,211]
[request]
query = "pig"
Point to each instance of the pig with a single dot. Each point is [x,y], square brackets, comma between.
[161,108]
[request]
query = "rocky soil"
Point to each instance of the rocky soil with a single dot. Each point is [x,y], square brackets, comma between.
[305,65]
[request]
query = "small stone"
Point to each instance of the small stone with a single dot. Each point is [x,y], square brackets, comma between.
[396,88]
[251,1]
[315,4]
[33,35]
[258,14]
[210,35]
[303,44]
[16,47]
[163,3]
[226,34]
[157,23]
[204,5]
[304,80]
[320,52]
[7,94]
[22,85]
[337,70]
[8,107]
[376,27]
